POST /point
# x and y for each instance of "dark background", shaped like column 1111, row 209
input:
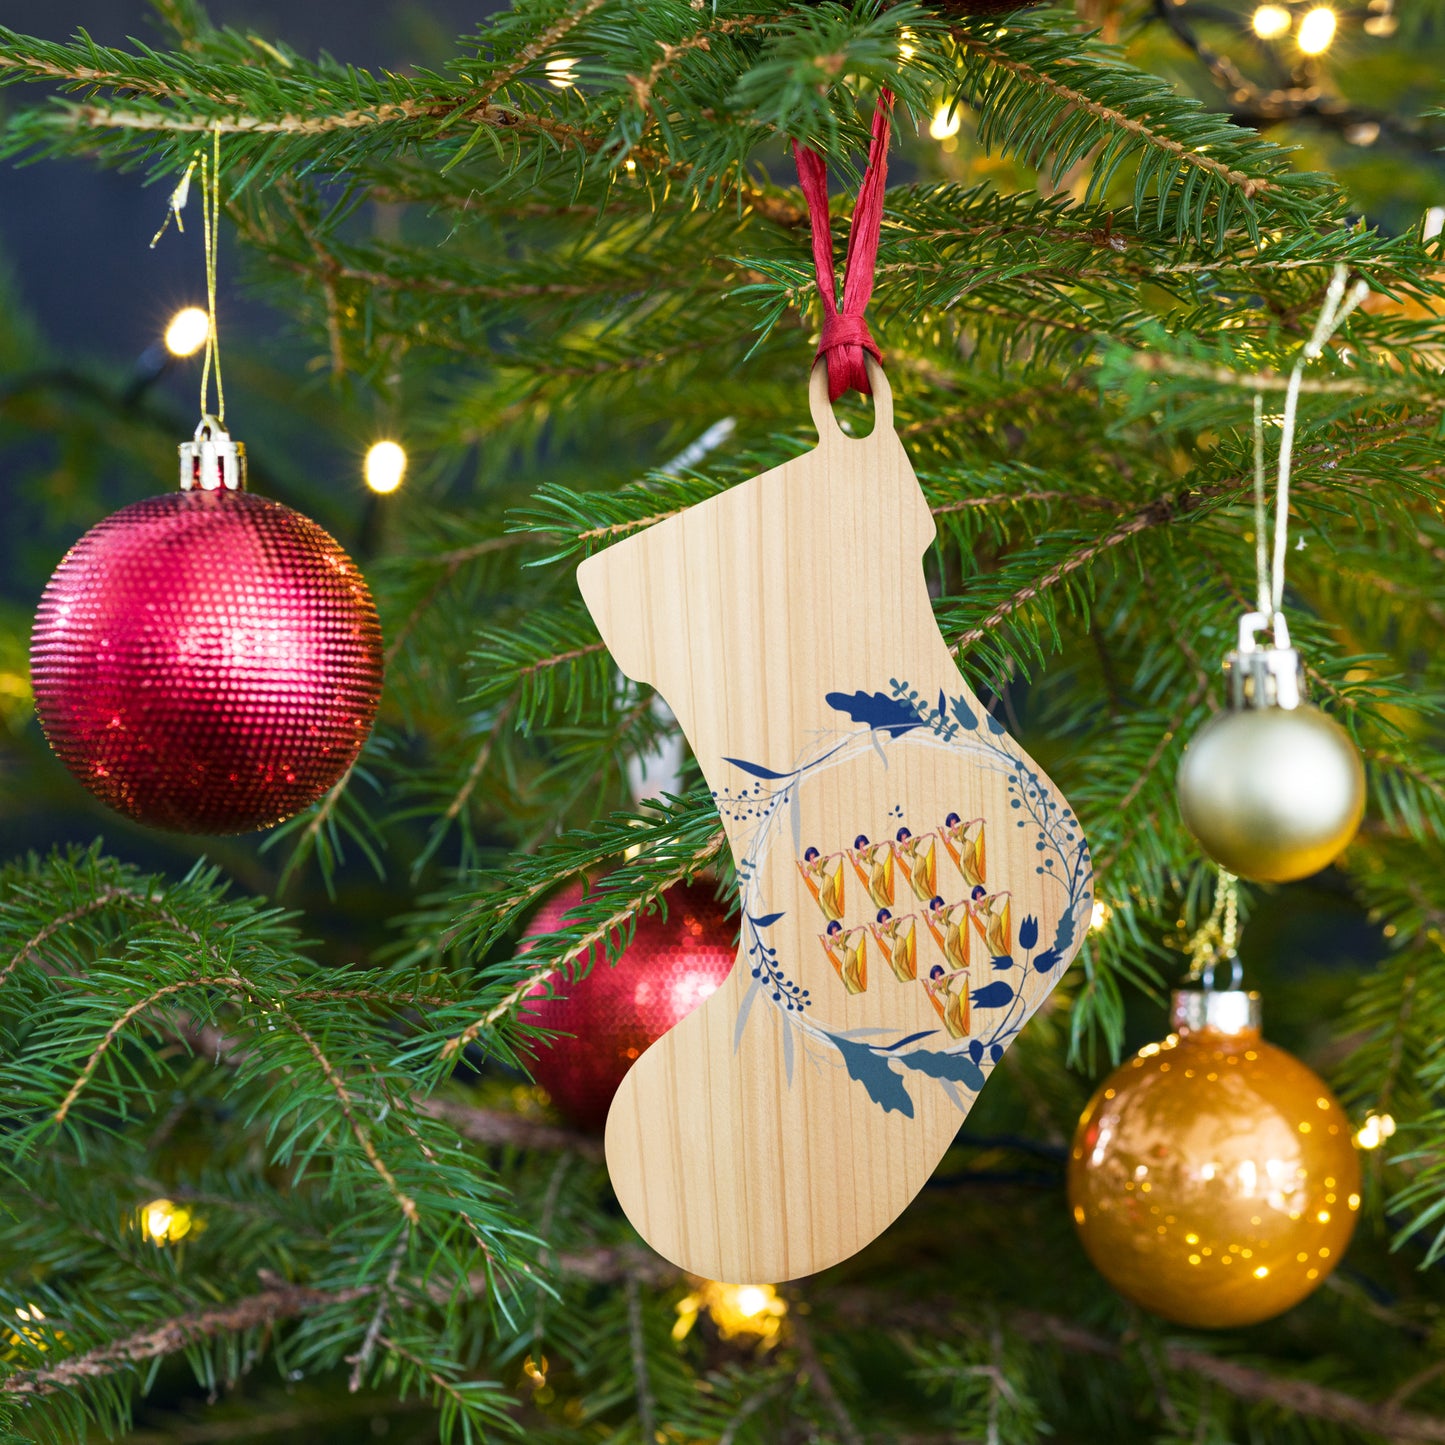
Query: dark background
column 76, row 237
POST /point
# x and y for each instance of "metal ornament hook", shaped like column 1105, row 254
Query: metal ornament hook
column 212, row 461
column 1263, row 677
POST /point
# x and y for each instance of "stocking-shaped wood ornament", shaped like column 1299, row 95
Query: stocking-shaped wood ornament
column 912, row 885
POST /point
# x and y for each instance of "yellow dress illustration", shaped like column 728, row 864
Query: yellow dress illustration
column 918, row 857
column 897, row 940
column 993, row 917
column 964, row 842
column 873, row 863
column 948, row 923
column 824, row 877
column 847, row 951
column 948, row 993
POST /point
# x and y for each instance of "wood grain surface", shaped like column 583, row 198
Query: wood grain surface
column 912, row 885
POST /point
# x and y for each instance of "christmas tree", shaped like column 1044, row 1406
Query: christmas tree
column 274, row 1165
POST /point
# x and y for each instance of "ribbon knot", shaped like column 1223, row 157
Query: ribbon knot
column 846, row 339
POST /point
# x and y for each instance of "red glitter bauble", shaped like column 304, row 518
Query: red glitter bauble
column 669, row 968
column 208, row 662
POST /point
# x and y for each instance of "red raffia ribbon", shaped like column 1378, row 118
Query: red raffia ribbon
column 845, row 336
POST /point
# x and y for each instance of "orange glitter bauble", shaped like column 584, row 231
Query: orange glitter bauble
column 1213, row 1178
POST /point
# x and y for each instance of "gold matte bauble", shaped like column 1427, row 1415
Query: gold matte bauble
column 1272, row 793
column 1214, row 1179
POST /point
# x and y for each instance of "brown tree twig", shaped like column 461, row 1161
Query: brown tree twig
column 506, row 1130
column 1251, row 186
column 101, row 900
column 619, row 918
column 819, row 1380
column 282, row 1301
column 363, row 1357
column 169, row 1337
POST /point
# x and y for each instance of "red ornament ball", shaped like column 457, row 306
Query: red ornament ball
column 208, row 662
column 669, row 968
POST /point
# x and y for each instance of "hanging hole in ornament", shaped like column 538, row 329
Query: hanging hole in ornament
column 826, row 420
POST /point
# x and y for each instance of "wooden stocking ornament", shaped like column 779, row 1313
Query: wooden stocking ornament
column 912, row 885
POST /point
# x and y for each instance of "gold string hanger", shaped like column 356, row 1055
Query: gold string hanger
column 1216, row 940
column 210, row 169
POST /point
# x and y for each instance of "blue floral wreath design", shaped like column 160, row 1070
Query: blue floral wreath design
column 902, row 716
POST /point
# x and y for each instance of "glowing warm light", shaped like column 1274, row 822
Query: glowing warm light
column 946, row 121
column 1374, row 1131
column 385, row 467
column 562, row 72
column 188, row 331
column 1100, row 916
column 1270, row 22
column 39, row 1335
column 165, row 1221
column 535, row 1371
column 906, row 48
column 746, row 1309
column 752, row 1300
column 1317, row 30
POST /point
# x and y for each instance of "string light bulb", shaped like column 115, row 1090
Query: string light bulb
column 1099, row 916
column 736, row 1309
column 562, row 72
column 187, row 331
column 166, row 1222
column 946, row 121
column 1269, row 22
column 1374, row 1131
column 385, row 467
column 1317, row 30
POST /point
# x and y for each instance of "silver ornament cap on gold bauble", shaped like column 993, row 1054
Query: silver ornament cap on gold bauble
column 1272, row 789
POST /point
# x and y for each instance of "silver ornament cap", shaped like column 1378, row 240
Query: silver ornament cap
column 1273, row 790
column 211, row 461
column 1222, row 1010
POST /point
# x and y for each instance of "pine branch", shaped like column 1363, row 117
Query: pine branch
column 277, row 1302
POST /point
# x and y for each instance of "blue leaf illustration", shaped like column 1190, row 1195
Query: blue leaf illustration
column 997, row 1051
column 909, row 1039
column 994, row 725
column 1048, row 960
column 756, row 769
column 942, row 704
column 976, row 1049
column 1003, row 961
column 957, row 1067
column 964, row 714
column 1028, row 932
column 993, row 995
column 766, row 921
column 872, row 1071
column 1064, row 933
column 893, row 715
